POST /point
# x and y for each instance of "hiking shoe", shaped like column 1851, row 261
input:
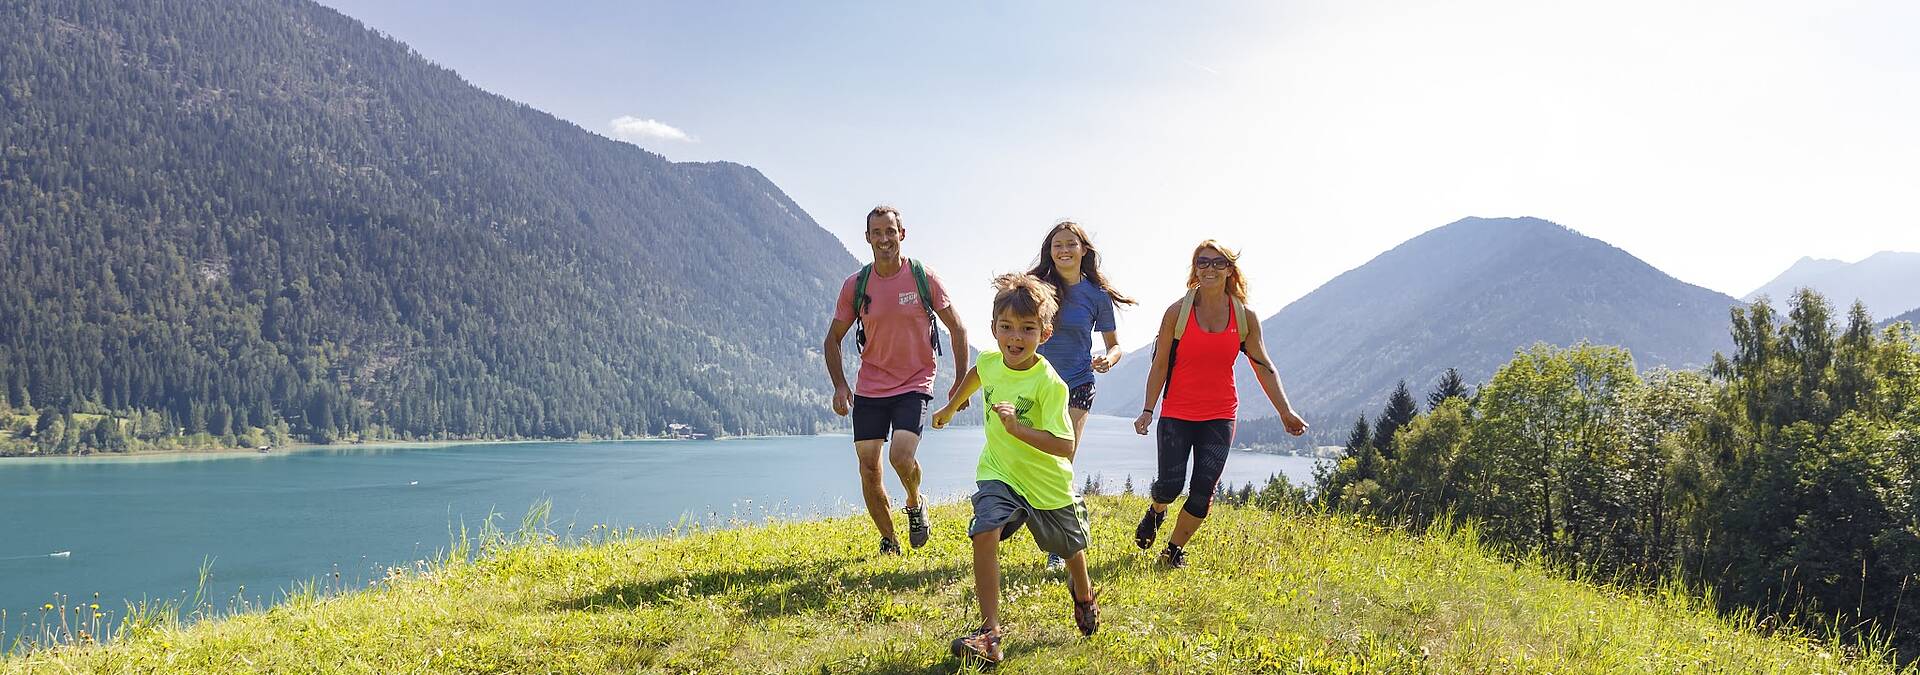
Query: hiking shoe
column 889, row 546
column 1148, row 529
column 917, row 526
column 1086, row 615
column 979, row 645
column 1055, row 563
column 1174, row 557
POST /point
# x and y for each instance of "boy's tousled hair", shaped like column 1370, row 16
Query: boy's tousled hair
column 1024, row 295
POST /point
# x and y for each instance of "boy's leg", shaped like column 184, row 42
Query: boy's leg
column 986, row 577
column 1077, row 578
column 1064, row 531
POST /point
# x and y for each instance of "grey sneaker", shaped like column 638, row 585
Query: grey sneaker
column 1055, row 563
column 917, row 528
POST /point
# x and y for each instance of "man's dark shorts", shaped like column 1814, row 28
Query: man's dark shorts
column 1061, row 531
column 875, row 418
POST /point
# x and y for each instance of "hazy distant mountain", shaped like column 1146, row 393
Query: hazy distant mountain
column 1465, row 295
column 1912, row 316
column 230, row 215
column 1888, row 282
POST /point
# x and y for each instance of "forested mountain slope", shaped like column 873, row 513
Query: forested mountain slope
column 233, row 215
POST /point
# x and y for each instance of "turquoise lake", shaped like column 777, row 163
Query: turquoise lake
column 141, row 527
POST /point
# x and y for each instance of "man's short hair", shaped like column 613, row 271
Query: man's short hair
column 885, row 210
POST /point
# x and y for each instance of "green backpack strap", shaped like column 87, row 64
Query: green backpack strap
column 860, row 304
column 926, row 302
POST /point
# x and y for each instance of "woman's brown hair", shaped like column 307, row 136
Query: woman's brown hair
column 1089, row 264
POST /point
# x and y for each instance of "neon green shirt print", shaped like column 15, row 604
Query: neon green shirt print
column 1040, row 398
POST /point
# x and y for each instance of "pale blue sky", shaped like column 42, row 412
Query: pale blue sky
column 1717, row 141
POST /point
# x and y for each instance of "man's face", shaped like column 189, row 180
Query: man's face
column 884, row 234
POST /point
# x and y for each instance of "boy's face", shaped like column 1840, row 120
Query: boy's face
column 1019, row 336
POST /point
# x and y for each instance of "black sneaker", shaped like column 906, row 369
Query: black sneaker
column 1148, row 529
column 979, row 645
column 1174, row 557
column 889, row 546
column 1086, row 615
column 917, row 526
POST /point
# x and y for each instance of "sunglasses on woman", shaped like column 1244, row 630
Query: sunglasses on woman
column 1204, row 262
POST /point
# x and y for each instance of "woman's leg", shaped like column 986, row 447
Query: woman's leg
column 1212, row 442
column 1176, row 442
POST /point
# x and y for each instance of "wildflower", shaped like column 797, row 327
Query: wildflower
column 94, row 606
column 47, row 607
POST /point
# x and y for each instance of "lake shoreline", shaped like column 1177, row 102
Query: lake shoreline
column 204, row 453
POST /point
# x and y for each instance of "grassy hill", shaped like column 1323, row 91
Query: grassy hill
column 1267, row 592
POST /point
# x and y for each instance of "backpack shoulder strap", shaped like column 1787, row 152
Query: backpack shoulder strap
column 1186, row 312
column 920, row 280
column 860, row 291
column 926, row 302
column 1244, row 315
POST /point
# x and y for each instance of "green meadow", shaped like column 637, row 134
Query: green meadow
column 1267, row 591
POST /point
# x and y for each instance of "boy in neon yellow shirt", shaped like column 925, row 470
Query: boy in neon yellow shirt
column 1025, row 477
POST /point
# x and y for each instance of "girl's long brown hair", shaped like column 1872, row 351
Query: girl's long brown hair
column 1236, row 284
column 1089, row 264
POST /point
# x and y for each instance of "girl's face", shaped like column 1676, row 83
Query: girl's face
column 1018, row 336
column 1212, row 268
column 1066, row 250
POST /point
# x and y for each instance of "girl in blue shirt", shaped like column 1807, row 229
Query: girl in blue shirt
column 1069, row 261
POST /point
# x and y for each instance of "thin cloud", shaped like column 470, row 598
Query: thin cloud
column 635, row 129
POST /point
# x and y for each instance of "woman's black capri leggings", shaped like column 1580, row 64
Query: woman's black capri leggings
column 1208, row 443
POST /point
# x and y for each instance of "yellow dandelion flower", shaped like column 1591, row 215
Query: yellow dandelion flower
column 47, row 607
column 94, row 606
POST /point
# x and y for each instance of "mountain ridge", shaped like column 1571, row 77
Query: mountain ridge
column 1433, row 302
column 1888, row 282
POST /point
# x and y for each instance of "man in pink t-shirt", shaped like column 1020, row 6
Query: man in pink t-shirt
column 896, row 371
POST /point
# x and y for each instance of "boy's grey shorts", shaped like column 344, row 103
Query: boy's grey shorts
column 1061, row 531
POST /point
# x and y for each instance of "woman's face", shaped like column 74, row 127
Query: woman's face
column 1066, row 250
column 1211, row 267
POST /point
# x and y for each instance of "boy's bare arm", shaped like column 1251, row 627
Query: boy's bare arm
column 957, row 399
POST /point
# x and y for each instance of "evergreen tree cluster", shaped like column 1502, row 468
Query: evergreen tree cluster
column 1786, row 476
column 227, row 218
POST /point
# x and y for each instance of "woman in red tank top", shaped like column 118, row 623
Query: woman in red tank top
column 1193, row 367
